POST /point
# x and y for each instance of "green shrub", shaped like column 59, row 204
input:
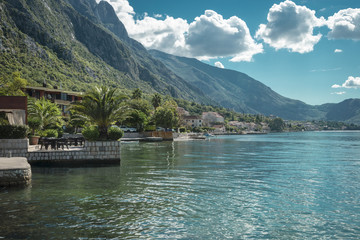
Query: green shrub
column 150, row 128
column 69, row 129
column 91, row 133
column 50, row 133
column 115, row 133
column 13, row 131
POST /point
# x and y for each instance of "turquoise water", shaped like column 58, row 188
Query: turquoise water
column 275, row 186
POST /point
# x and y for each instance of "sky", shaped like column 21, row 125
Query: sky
column 303, row 49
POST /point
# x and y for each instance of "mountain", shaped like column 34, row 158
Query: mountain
column 236, row 90
column 345, row 111
column 74, row 43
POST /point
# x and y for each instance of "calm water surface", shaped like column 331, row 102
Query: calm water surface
column 276, row 186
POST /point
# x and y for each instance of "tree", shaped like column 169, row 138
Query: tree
column 166, row 115
column 156, row 100
column 46, row 112
column 102, row 106
column 14, row 86
column 139, row 113
column 137, row 94
column 138, row 120
column 277, row 125
column 141, row 105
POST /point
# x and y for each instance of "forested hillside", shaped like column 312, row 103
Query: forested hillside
column 74, row 44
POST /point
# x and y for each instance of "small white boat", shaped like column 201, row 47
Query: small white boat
column 209, row 135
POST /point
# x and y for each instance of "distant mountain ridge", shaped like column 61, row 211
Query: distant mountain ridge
column 79, row 43
column 237, row 90
column 345, row 111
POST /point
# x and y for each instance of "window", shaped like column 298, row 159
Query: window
column 63, row 96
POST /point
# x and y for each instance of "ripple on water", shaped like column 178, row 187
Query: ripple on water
column 277, row 186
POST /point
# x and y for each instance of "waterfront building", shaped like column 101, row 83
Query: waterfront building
column 193, row 121
column 61, row 97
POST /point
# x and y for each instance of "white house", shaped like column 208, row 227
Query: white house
column 193, row 121
column 212, row 117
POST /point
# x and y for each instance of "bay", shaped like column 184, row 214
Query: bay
column 276, row 186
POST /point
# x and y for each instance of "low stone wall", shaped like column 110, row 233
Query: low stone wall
column 104, row 152
column 13, row 147
column 14, row 172
column 133, row 135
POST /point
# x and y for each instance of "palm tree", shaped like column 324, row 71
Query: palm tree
column 102, row 106
column 137, row 94
column 47, row 113
column 156, row 100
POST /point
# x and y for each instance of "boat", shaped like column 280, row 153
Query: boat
column 209, row 135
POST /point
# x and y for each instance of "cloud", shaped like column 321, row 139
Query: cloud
column 338, row 93
column 211, row 36
column 291, row 27
column 336, row 86
column 338, row 51
column 219, row 65
column 166, row 35
column 351, row 82
column 124, row 11
column 345, row 24
column 208, row 36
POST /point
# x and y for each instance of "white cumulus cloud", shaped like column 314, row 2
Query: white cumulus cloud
column 338, row 51
column 291, row 27
column 351, row 82
column 208, row 36
column 211, row 36
column 345, row 24
column 219, row 65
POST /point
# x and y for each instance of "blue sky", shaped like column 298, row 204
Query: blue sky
column 305, row 50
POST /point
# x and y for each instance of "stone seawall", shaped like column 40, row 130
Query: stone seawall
column 14, row 172
column 104, row 152
column 13, row 147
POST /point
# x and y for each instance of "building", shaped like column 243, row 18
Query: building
column 192, row 121
column 219, row 128
column 15, row 109
column 61, row 97
column 210, row 118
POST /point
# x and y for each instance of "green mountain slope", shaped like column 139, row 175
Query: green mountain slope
column 50, row 40
column 78, row 43
column 345, row 111
column 237, row 90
